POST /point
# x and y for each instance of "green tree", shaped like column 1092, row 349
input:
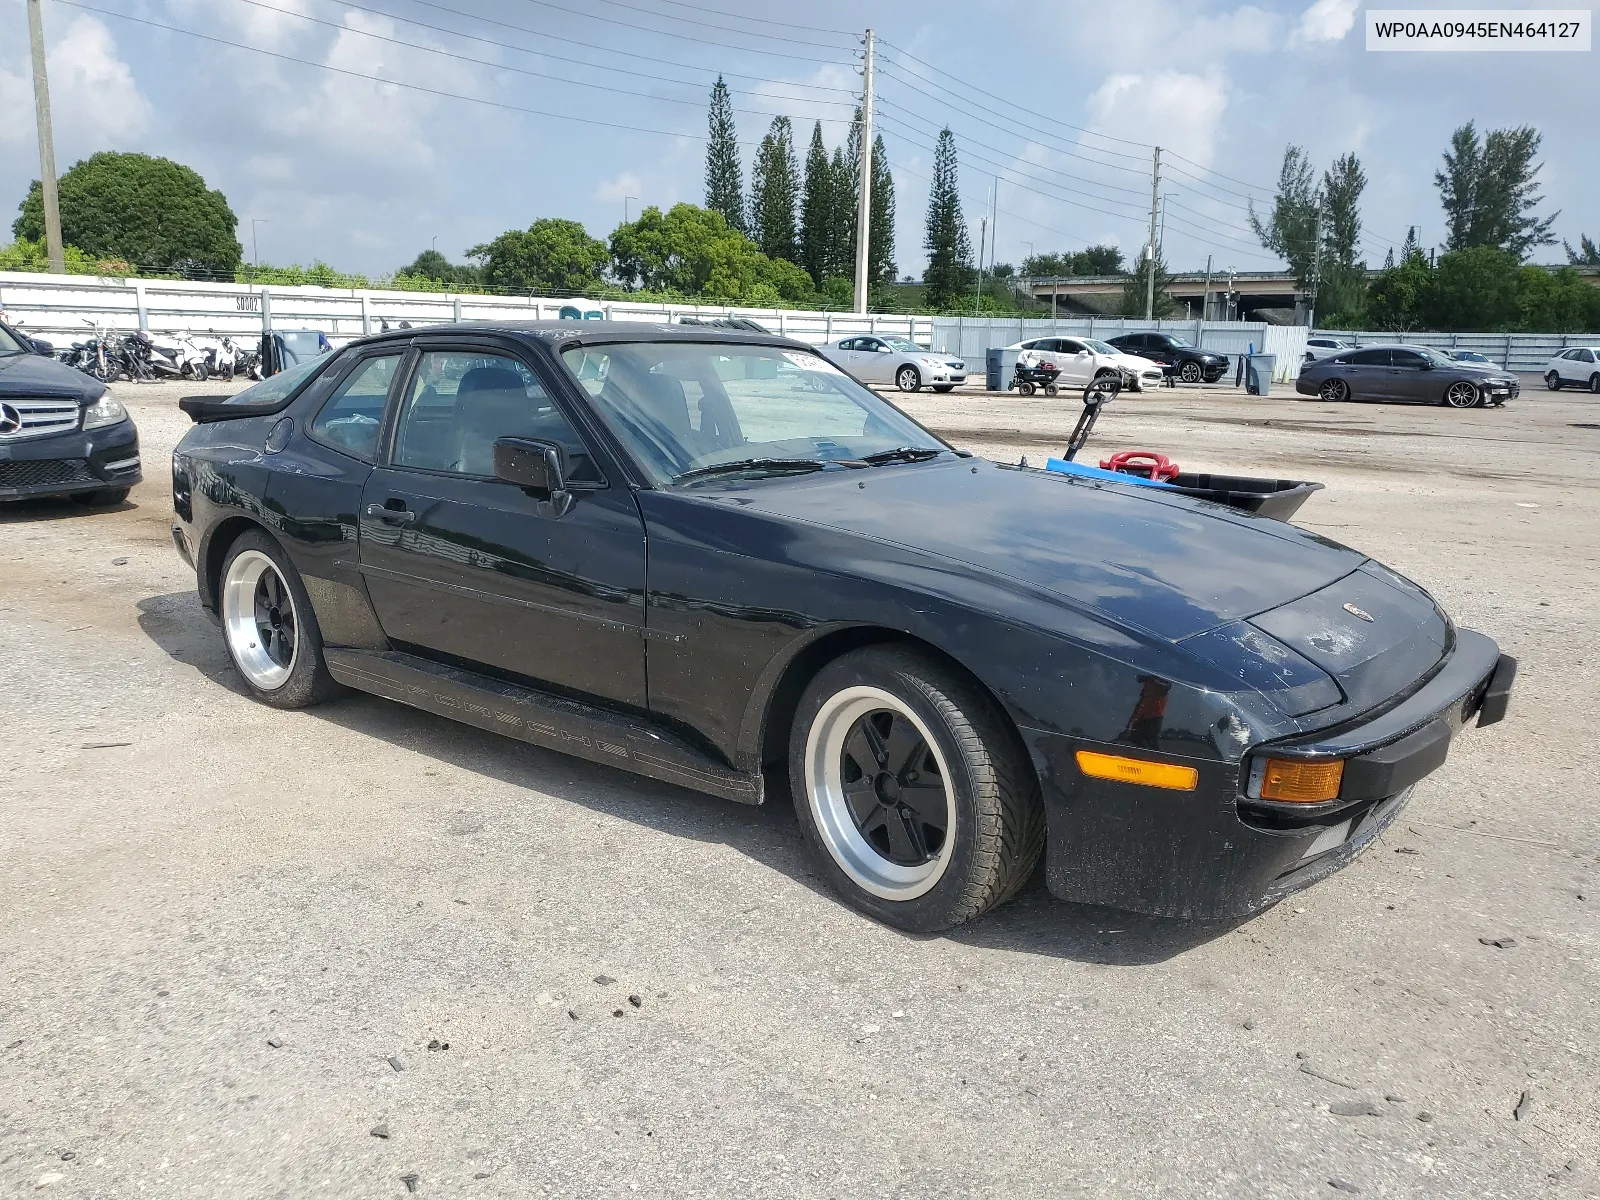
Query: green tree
column 1586, row 255
column 1290, row 231
column 1131, row 303
column 1475, row 288
column 1560, row 301
column 157, row 214
column 846, row 197
column 774, row 192
column 1342, row 282
column 1095, row 260
column 693, row 252
column 724, row 178
column 817, row 210
column 949, row 249
column 435, row 267
column 880, row 244
column 551, row 255
column 1489, row 190
column 1396, row 297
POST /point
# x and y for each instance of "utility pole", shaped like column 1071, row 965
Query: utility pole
column 47, row 145
column 983, row 233
column 1205, row 302
column 864, row 200
column 1150, row 248
column 1316, row 270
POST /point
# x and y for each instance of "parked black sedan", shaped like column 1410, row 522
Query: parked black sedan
column 1189, row 363
column 712, row 558
column 61, row 433
column 1406, row 374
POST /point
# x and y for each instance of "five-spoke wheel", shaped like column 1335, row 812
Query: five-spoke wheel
column 908, row 378
column 912, row 788
column 268, row 626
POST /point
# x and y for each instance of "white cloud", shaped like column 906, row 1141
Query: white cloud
column 623, row 186
column 1168, row 108
column 95, row 104
column 265, row 28
column 1328, row 20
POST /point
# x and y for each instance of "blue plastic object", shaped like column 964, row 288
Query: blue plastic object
column 1062, row 467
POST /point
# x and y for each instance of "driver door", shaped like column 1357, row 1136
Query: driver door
column 876, row 363
column 1075, row 361
column 463, row 566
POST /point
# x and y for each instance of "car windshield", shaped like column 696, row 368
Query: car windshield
column 902, row 346
column 276, row 387
column 9, row 344
column 687, row 408
column 1174, row 340
column 1100, row 347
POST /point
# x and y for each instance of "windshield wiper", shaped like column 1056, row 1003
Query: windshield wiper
column 751, row 464
column 901, row 454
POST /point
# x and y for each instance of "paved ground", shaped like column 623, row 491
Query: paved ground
column 229, row 935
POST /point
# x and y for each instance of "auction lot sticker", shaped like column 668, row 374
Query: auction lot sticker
column 1477, row 29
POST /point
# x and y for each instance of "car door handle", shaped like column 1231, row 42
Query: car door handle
column 394, row 516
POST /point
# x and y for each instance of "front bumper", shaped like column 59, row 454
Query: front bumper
column 1214, row 854
column 63, row 463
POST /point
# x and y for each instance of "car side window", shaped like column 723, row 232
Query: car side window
column 1406, row 358
column 1068, row 346
column 1586, row 356
column 1368, row 358
column 350, row 419
column 460, row 401
column 850, row 344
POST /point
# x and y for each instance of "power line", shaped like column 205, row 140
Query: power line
column 504, row 66
column 653, row 60
column 717, row 12
column 410, row 87
column 594, row 16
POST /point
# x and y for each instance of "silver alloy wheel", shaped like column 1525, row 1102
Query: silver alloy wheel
column 1553, row 381
column 1461, row 394
column 892, row 831
column 259, row 620
column 1190, row 372
column 908, row 379
column 1594, row 382
column 1334, row 390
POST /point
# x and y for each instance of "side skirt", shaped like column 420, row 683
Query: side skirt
column 553, row 722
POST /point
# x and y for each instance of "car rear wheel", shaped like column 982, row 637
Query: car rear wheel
column 1594, row 382
column 912, row 790
column 1552, row 380
column 1334, row 391
column 1462, row 394
column 269, row 628
column 104, row 498
column 908, row 379
column 1190, row 373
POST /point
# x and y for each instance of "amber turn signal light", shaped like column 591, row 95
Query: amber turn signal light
column 1301, row 782
column 1137, row 770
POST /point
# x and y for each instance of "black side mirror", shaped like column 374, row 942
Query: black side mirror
column 535, row 466
column 45, row 349
column 1426, row 364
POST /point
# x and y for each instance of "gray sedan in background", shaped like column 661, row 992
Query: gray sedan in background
column 1407, row 375
column 874, row 359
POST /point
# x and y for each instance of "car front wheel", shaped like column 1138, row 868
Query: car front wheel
column 1552, row 381
column 912, row 790
column 269, row 628
column 908, row 379
column 1462, row 394
column 1190, row 373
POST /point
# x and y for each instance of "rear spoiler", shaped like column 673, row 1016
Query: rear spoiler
column 202, row 409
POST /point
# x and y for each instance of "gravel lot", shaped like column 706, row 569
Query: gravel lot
column 229, row 936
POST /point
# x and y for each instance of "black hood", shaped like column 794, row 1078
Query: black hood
column 35, row 375
column 1161, row 563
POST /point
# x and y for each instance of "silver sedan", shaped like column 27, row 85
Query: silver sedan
column 874, row 359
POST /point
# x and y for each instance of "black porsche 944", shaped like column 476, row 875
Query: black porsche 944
column 713, row 558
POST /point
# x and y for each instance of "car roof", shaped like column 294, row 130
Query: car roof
column 561, row 335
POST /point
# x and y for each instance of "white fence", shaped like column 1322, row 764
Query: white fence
column 971, row 336
column 1514, row 351
column 64, row 308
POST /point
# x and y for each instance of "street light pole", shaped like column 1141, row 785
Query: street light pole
column 255, row 240
column 47, row 146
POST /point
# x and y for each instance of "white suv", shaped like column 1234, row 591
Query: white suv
column 1579, row 367
column 1323, row 347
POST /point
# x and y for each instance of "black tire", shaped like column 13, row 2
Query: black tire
column 1025, row 388
column 1462, row 394
column 104, row 498
column 1333, row 391
column 1050, row 389
column 944, row 387
column 908, row 379
column 1594, row 382
column 307, row 681
column 200, row 372
column 987, row 784
column 1190, row 372
column 1553, row 381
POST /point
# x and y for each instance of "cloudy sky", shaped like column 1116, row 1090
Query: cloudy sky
column 520, row 109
